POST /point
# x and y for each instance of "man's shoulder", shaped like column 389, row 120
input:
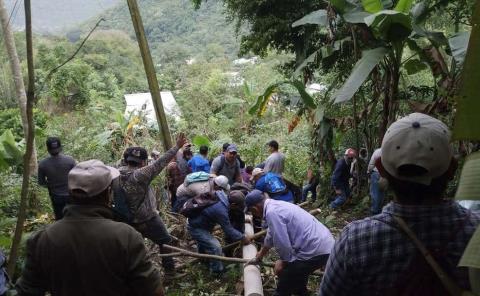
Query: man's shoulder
column 367, row 227
column 217, row 161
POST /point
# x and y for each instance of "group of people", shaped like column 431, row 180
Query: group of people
column 85, row 252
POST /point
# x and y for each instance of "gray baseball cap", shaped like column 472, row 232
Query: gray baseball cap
column 91, row 177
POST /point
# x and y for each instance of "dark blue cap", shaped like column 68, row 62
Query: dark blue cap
column 253, row 198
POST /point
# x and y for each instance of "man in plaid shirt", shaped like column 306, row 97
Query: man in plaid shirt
column 373, row 256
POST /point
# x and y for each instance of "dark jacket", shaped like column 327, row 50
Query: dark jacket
column 86, row 253
column 216, row 214
column 341, row 174
column 53, row 173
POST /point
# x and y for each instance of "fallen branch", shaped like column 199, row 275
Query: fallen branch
column 183, row 252
column 263, row 232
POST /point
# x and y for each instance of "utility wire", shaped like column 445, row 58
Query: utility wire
column 12, row 12
column 51, row 72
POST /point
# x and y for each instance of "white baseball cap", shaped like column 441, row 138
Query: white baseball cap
column 256, row 172
column 419, row 140
column 222, row 182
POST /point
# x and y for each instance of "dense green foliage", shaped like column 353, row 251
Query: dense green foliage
column 370, row 69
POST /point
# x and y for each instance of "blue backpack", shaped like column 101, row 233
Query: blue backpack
column 274, row 183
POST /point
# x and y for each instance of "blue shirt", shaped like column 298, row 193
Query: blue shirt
column 261, row 185
column 198, row 163
column 216, row 214
column 294, row 233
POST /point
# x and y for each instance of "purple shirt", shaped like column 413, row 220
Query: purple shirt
column 294, row 233
column 246, row 177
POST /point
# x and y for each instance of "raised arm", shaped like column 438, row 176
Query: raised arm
column 147, row 173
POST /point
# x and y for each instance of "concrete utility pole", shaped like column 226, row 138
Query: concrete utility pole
column 252, row 277
column 151, row 75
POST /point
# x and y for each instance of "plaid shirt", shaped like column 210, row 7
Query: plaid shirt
column 370, row 255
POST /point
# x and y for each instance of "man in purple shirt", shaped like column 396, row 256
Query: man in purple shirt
column 301, row 241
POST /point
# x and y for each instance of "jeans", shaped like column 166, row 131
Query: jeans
column 293, row 279
column 207, row 244
column 155, row 230
column 376, row 194
column 311, row 187
column 341, row 198
column 58, row 203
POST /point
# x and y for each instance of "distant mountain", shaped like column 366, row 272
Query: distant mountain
column 55, row 16
column 175, row 30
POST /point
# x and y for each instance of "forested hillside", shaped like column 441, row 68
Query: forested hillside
column 56, row 16
column 176, row 30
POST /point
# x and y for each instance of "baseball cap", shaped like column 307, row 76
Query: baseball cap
column 420, row 141
column 222, row 182
column 256, row 172
column 253, row 197
column 91, row 177
column 232, row 148
column 54, row 145
column 136, row 154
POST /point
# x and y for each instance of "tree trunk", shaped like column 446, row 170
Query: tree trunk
column 17, row 78
column 12, row 260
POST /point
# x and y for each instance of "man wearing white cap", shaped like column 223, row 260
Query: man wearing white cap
column 87, row 253
column 380, row 254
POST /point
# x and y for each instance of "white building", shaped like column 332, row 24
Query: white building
column 142, row 103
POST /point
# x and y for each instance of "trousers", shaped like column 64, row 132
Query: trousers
column 293, row 279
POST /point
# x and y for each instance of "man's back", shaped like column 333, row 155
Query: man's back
column 275, row 163
column 371, row 254
column 88, row 254
column 193, row 189
column 295, row 233
column 53, row 172
column 199, row 163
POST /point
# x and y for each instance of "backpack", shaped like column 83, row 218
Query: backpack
column 195, row 205
column 196, row 177
column 120, row 206
column 274, row 183
column 425, row 275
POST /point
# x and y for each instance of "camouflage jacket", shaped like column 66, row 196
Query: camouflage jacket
column 140, row 196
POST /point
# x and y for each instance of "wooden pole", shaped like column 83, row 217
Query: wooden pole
column 252, row 277
column 183, row 252
column 151, row 74
column 29, row 150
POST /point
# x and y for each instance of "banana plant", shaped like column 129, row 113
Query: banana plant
column 388, row 27
column 10, row 153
